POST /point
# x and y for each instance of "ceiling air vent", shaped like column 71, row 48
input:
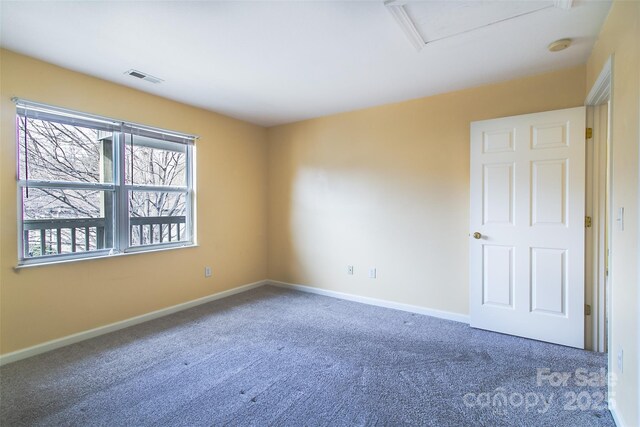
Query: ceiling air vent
column 143, row 76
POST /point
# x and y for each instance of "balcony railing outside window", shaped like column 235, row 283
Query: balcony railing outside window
column 60, row 236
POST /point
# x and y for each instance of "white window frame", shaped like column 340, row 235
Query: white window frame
column 120, row 216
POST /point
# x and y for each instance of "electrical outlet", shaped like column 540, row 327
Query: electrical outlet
column 350, row 269
column 372, row 273
column 621, row 360
column 207, row 272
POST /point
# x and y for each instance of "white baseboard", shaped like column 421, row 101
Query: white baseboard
column 617, row 418
column 91, row 333
column 441, row 314
column 85, row 335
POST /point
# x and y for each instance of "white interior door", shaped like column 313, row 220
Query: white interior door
column 527, row 226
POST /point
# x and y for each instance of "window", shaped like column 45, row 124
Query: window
column 91, row 186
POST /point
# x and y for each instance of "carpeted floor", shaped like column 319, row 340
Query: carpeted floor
column 272, row 356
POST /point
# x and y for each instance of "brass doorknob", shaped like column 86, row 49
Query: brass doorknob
column 477, row 235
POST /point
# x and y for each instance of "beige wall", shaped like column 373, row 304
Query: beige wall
column 388, row 187
column 620, row 36
column 42, row 303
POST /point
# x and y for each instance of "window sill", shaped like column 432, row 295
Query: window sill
column 133, row 251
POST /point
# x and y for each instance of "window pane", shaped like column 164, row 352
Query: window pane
column 59, row 221
column 58, row 152
column 157, row 217
column 155, row 162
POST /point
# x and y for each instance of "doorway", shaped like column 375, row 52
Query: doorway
column 598, row 222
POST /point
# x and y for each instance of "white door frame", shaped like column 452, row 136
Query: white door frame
column 596, row 234
column 598, row 293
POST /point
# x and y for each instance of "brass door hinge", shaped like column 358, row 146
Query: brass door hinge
column 587, row 221
column 589, row 133
column 587, row 310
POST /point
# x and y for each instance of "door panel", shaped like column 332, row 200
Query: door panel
column 548, row 192
column 527, row 202
column 549, row 135
column 498, row 194
column 498, row 276
column 498, row 141
column 548, row 280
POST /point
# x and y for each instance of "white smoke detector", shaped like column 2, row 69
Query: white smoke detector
column 559, row 45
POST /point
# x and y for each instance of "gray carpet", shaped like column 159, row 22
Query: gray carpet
column 278, row 357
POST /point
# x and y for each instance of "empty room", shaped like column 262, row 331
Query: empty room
column 320, row 213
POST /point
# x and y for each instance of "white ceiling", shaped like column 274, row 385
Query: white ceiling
column 274, row 62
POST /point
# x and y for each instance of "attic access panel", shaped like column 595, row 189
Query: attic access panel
column 435, row 20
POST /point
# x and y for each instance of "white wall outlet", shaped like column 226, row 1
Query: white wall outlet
column 372, row 273
column 350, row 269
column 620, row 360
column 208, row 272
